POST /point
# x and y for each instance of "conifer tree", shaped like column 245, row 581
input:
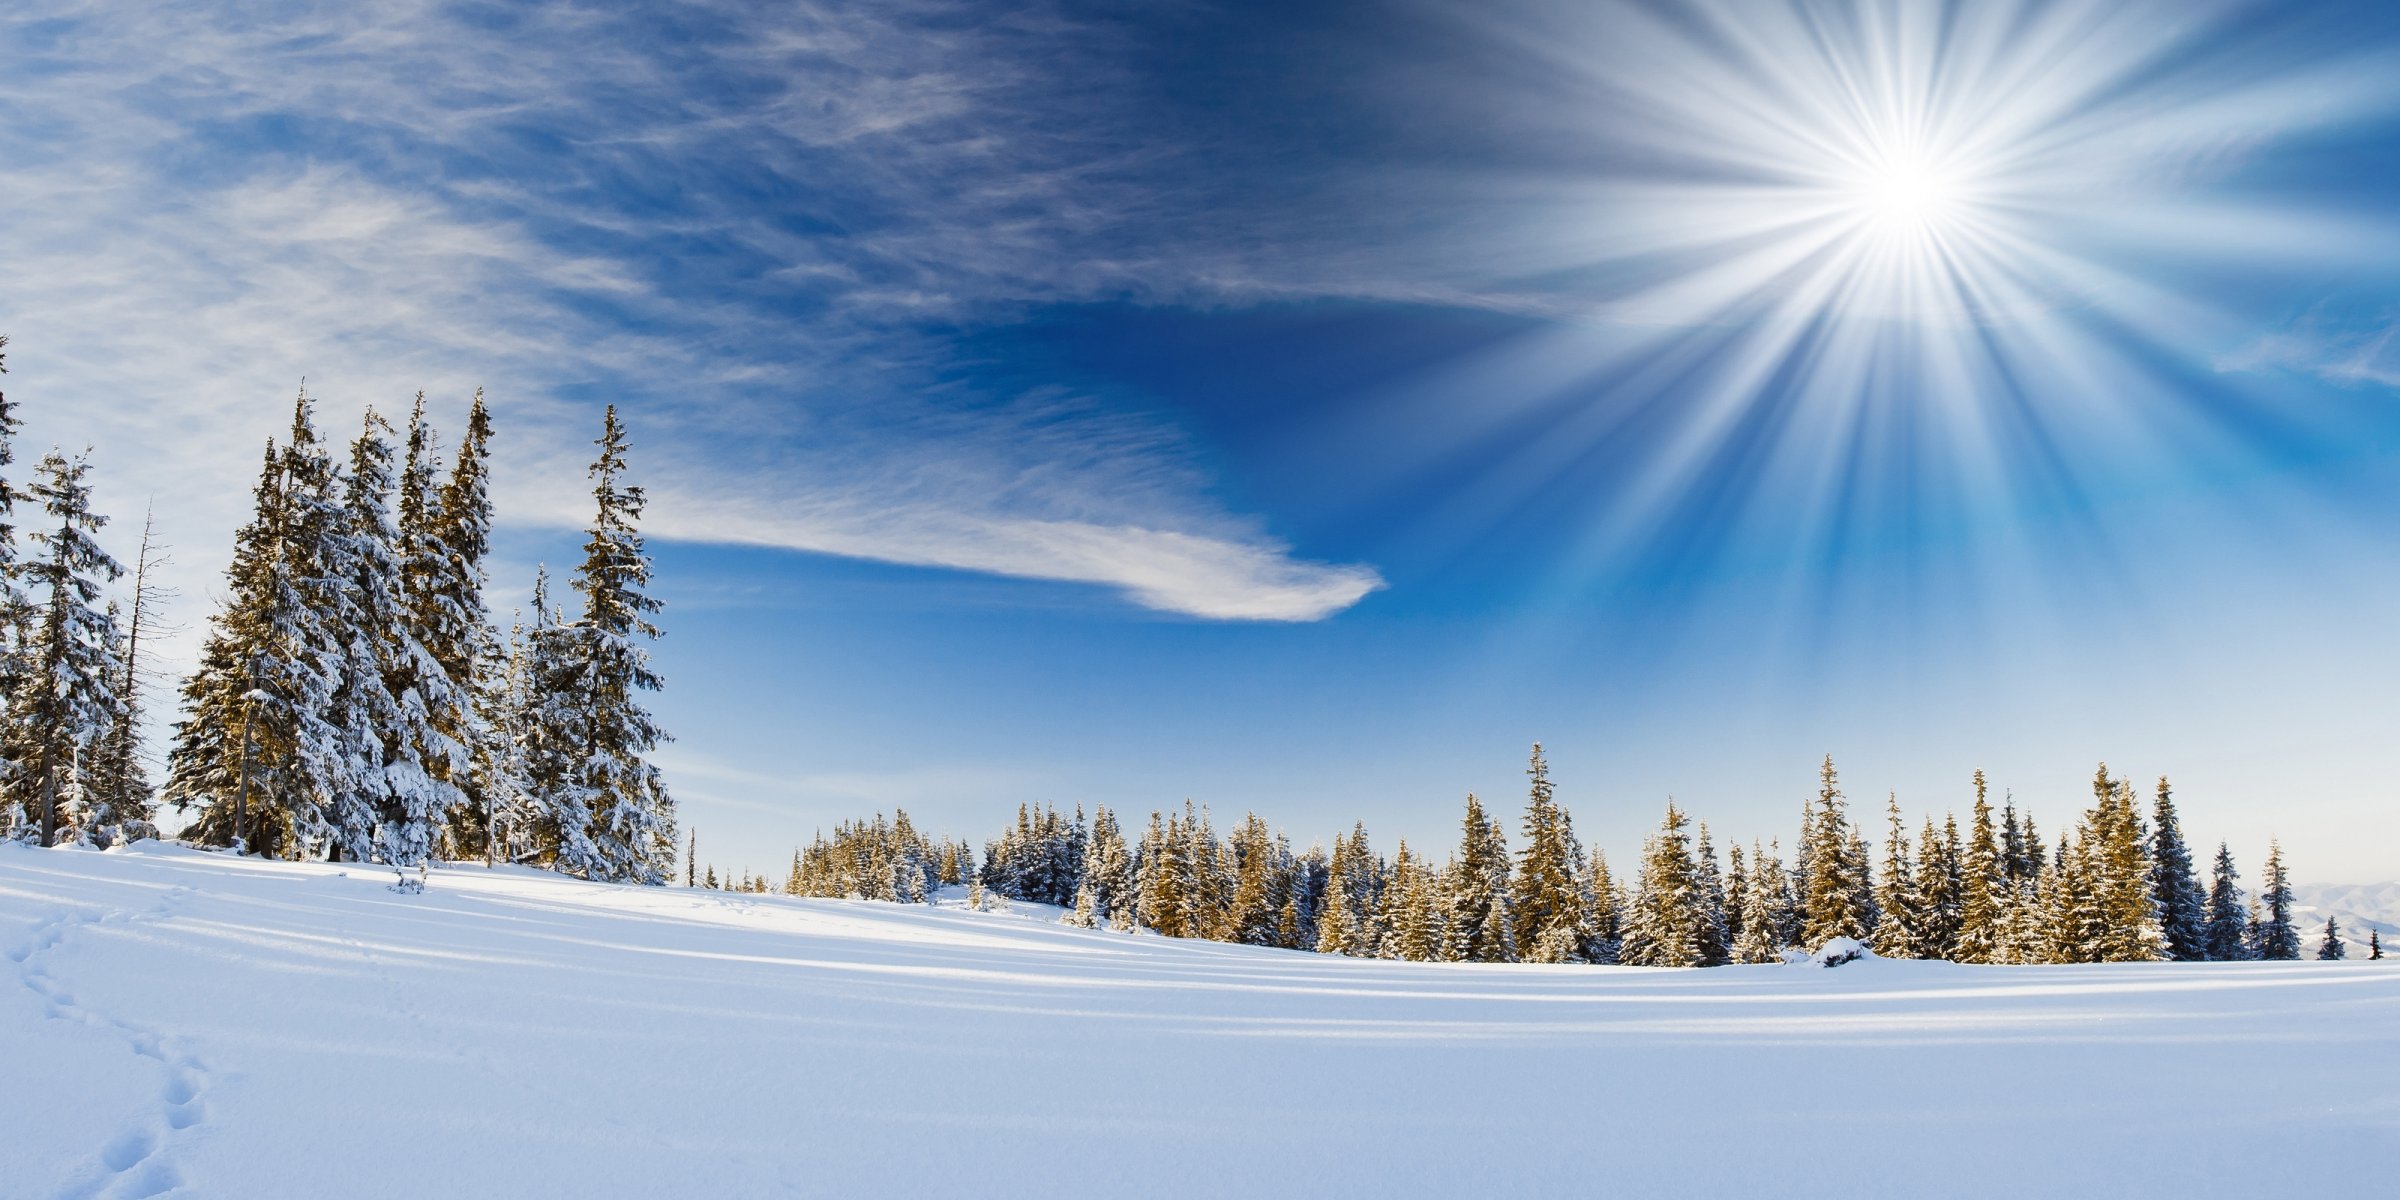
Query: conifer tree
column 1667, row 926
column 1766, row 910
column 445, row 534
column 1900, row 932
column 2331, row 949
column 2226, row 937
column 1835, row 903
column 1255, row 902
column 1546, row 906
column 67, row 700
column 1940, row 863
column 590, row 673
column 387, row 796
column 1479, row 925
column 1737, row 897
column 1415, row 919
column 1108, row 868
column 1716, row 937
column 2174, row 888
column 2277, row 940
column 1983, row 891
column 1605, row 921
column 2374, row 945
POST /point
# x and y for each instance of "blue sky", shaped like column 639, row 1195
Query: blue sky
column 1306, row 411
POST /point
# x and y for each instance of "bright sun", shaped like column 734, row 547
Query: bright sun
column 1904, row 193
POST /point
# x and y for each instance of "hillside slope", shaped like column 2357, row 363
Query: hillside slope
column 183, row 1023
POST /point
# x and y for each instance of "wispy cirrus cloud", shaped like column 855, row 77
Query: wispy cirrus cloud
column 755, row 228
column 2345, row 353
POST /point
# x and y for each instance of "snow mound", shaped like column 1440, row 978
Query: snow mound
column 1840, row 950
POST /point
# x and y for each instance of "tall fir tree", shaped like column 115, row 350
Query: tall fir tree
column 1667, row 926
column 1479, row 926
column 1835, row 902
column 1716, row 929
column 591, row 673
column 395, row 784
column 1983, row 891
column 445, row 534
column 1605, row 919
column 2174, row 886
column 67, row 700
column 1766, row 910
column 1900, row 932
column 2276, row 939
column 1547, row 906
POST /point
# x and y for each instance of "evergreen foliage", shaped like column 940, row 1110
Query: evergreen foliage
column 2275, row 939
column 2226, row 936
column 1835, row 898
column 2174, row 887
column 2331, row 949
column 591, row 736
column 1479, row 926
column 67, row 701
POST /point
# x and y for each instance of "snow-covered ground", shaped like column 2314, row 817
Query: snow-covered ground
column 181, row 1023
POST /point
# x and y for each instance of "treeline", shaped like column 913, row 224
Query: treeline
column 353, row 698
column 2119, row 885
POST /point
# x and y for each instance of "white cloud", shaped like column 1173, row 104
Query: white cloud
column 2350, row 356
column 176, row 270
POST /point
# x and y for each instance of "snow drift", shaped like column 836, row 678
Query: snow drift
column 179, row 1023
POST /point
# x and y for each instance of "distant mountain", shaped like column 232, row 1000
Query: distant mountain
column 2358, row 906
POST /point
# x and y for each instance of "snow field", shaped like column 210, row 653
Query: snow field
column 181, row 1023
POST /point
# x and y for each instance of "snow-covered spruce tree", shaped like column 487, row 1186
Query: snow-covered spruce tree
column 1940, row 862
column 2374, row 945
column 445, row 533
column 2331, row 949
column 255, row 751
column 1766, row 910
column 2174, row 887
column 1983, row 891
column 67, row 699
column 1737, row 896
column 397, row 784
column 1257, row 882
column 1900, row 934
column 1415, row 915
column 1210, row 896
column 1478, row 920
column 513, row 827
column 1708, row 888
column 1343, row 924
column 1667, row 925
column 1296, row 925
column 2277, row 940
column 1546, row 906
column 1605, row 913
column 1108, row 868
column 589, row 675
column 1162, row 877
column 1836, row 902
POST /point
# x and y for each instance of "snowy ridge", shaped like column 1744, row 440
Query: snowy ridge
column 2358, row 906
column 183, row 1023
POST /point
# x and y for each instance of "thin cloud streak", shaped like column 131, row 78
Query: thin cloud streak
column 219, row 199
